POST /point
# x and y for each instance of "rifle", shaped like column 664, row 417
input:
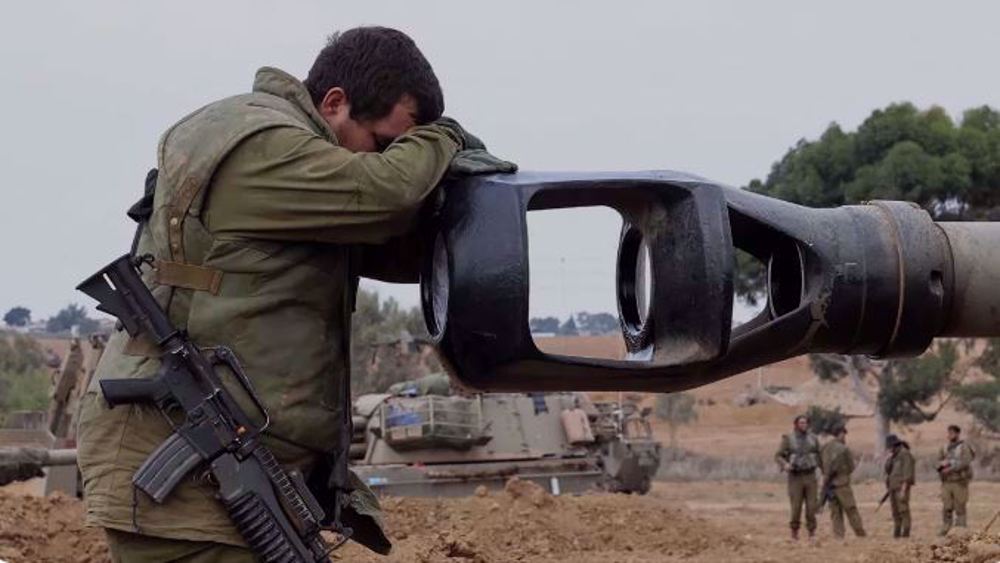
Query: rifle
column 826, row 493
column 273, row 509
column 884, row 498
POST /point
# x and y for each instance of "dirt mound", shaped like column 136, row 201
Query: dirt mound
column 47, row 529
column 525, row 523
column 522, row 523
column 962, row 548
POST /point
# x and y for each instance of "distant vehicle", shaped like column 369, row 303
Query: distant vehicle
column 447, row 445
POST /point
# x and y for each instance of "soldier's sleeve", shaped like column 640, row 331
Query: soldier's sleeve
column 396, row 261
column 781, row 456
column 825, row 461
column 849, row 465
column 287, row 183
column 909, row 469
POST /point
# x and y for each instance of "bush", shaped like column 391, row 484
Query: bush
column 24, row 380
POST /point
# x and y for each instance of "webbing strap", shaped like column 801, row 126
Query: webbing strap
column 187, row 276
column 177, row 211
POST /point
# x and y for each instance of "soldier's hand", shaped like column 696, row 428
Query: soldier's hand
column 473, row 159
column 472, row 162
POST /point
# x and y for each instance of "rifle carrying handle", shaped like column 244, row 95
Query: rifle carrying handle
column 127, row 391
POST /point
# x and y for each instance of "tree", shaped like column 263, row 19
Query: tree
column 17, row 316
column 380, row 327
column 568, row 328
column 825, row 421
column 981, row 398
column 677, row 409
column 597, row 323
column 898, row 152
column 544, row 324
column 67, row 318
column 24, row 381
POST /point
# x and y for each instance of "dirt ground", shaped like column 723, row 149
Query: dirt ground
column 701, row 522
column 697, row 520
column 726, row 430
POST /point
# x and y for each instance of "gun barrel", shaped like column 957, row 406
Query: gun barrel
column 42, row 457
column 22, row 463
column 975, row 299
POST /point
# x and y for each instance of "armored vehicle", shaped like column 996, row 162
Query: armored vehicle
column 416, row 443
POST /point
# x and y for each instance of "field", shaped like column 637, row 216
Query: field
column 719, row 499
column 705, row 522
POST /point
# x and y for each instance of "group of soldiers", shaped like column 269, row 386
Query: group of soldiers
column 800, row 455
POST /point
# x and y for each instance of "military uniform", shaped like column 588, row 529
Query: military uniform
column 260, row 227
column 837, row 465
column 800, row 450
column 900, row 471
column 955, row 483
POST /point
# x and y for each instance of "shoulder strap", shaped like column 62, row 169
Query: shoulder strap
column 142, row 210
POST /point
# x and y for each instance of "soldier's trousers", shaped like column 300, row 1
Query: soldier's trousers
column 843, row 503
column 127, row 547
column 802, row 490
column 954, row 497
column 900, row 503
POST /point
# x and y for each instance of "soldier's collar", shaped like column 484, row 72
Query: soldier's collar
column 277, row 82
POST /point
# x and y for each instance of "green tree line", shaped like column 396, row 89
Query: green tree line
column 24, row 378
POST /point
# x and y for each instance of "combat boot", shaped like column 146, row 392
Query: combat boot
column 960, row 521
column 945, row 523
column 795, row 534
column 895, row 531
column 904, row 532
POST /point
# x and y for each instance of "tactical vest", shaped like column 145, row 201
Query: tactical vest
column 953, row 454
column 804, row 452
column 282, row 307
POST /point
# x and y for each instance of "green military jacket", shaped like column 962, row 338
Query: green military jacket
column 260, row 225
column 900, row 468
column 800, row 450
column 837, row 463
column 958, row 458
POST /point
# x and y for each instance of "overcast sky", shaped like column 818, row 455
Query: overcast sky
column 721, row 89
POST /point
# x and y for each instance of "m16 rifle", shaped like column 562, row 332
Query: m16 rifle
column 825, row 493
column 885, row 497
column 273, row 509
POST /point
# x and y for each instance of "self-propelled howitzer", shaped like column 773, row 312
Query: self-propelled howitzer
column 881, row 279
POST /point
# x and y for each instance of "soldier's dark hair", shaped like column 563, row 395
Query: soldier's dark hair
column 800, row 417
column 376, row 66
column 955, row 428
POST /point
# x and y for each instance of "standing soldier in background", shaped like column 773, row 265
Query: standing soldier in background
column 899, row 478
column 955, row 468
column 798, row 455
column 837, row 465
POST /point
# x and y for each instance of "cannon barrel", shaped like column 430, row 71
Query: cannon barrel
column 22, row 463
column 881, row 279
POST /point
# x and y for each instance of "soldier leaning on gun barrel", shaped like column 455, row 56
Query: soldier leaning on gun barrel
column 900, row 475
column 838, row 464
column 955, row 469
column 798, row 456
column 267, row 208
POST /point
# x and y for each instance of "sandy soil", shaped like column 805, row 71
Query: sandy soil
column 704, row 522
